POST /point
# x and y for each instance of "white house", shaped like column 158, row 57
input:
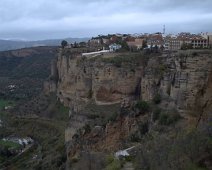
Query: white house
column 114, row 47
column 123, row 153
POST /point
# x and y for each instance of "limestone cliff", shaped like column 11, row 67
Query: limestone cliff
column 96, row 86
column 181, row 79
column 82, row 79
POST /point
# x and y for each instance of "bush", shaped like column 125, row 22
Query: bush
column 113, row 117
column 167, row 119
column 90, row 94
column 64, row 43
column 93, row 116
column 135, row 137
column 115, row 165
column 87, row 128
column 129, row 158
column 112, row 163
column 194, row 54
column 163, row 119
column 109, row 159
column 143, row 106
column 157, row 99
column 74, row 159
column 156, row 114
column 143, row 128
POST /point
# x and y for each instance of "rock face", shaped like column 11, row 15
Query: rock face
column 180, row 78
column 183, row 81
column 81, row 80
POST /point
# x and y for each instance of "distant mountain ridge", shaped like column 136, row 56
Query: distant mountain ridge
column 18, row 44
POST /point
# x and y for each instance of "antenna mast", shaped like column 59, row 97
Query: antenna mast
column 164, row 29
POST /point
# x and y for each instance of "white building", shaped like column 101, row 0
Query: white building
column 114, row 47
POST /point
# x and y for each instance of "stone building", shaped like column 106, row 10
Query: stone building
column 196, row 40
column 208, row 36
column 172, row 43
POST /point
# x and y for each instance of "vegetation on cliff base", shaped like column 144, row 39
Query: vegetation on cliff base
column 142, row 106
column 157, row 98
column 167, row 119
column 113, row 163
column 47, row 131
column 9, row 144
column 186, row 151
column 6, row 103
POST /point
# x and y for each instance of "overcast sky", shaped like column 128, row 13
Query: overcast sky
column 48, row 19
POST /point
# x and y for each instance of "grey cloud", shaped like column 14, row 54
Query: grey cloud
column 52, row 18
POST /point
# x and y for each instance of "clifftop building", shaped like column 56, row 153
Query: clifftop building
column 172, row 42
column 208, row 36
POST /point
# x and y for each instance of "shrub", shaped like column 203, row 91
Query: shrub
column 87, row 128
column 167, row 119
column 115, row 165
column 143, row 106
column 194, row 54
column 157, row 99
column 112, row 163
column 93, row 116
column 135, row 137
column 156, row 114
column 160, row 69
column 129, row 158
column 64, row 43
column 90, row 94
column 113, row 117
column 109, row 159
column 163, row 119
column 168, row 90
column 74, row 159
column 143, row 128
column 175, row 117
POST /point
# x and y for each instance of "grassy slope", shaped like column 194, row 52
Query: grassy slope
column 49, row 137
column 9, row 144
column 4, row 103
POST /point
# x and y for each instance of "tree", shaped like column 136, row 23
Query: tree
column 142, row 106
column 161, row 47
column 157, row 99
column 124, row 45
column 156, row 48
column 64, row 43
column 75, row 44
column 144, row 45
